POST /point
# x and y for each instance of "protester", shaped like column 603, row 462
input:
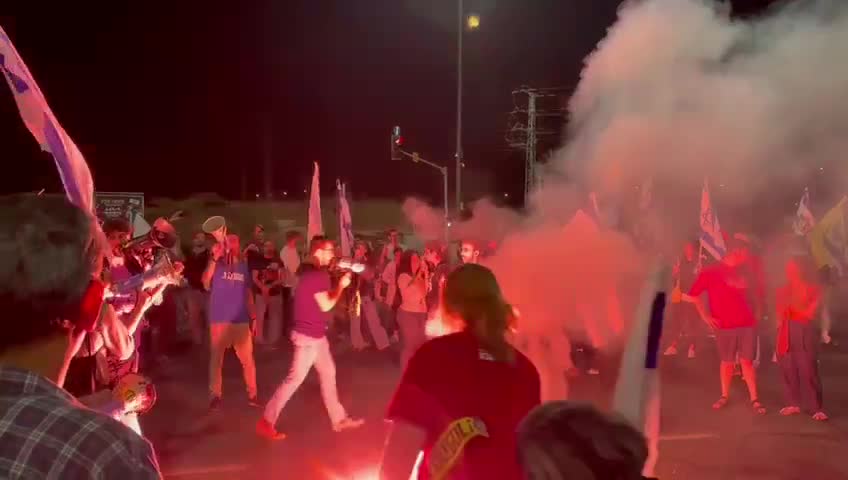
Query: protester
column 568, row 441
column 268, row 276
column 196, row 297
column 462, row 395
column 684, row 317
column 254, row 248
column 412, row 282
column 290, row 256
column 314, row 299
column 731, row 315
column 469, row 251
column 51, row 257
column 434, row 255
column 388, row 300
column 363, row 284
column 798, row 304
column 232, row 317
column 390, row 248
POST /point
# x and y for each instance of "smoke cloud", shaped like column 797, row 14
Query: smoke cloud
column 677, row 92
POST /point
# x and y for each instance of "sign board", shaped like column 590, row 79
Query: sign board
column 109, row 205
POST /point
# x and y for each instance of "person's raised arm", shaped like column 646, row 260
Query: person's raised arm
column 328, row 299
column 209, row 273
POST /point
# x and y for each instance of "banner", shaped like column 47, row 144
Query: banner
column 346, row 239
column 111, row 205
column 40, row 121
column 314, row 226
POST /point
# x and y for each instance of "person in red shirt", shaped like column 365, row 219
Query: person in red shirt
column 798, row 303
column 463, row 395
column 731, row 315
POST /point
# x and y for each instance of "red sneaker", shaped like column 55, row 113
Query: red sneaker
column 266, row 430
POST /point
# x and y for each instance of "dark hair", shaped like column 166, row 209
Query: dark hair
column 318, row 242
column 405, row 265
column 566, row 440
column 116, row 225
column 49, row 253
column 472, row 293
column 398, row 251
column 293, row 235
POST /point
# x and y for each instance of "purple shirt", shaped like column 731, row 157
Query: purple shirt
column 228, row 295
column 309, row 320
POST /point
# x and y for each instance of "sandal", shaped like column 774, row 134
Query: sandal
column 790, row 410
column 720, row 403
column 820, row 416
column 758, row 407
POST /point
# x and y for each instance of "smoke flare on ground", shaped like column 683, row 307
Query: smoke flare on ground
column 677, row 92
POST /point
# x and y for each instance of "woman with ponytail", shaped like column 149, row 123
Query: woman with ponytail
column 463, row 395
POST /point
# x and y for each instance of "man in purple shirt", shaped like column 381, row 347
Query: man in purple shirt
column 314, row 299
column 232, row 317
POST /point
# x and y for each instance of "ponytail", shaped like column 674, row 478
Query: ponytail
column 489, row 328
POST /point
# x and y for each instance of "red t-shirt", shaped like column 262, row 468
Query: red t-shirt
column 728, row 290
column 450, row 378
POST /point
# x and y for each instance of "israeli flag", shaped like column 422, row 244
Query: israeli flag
column 345, row 222
column 39, row 119
column 314, row 223
column 804, row 220
column 711, row 238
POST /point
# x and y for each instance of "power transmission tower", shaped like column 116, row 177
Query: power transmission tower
column 537, row 117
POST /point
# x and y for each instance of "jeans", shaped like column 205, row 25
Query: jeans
column 221, row 337
column 308, row 352
column 268, row 329
column 372, row 318
column 412, row 327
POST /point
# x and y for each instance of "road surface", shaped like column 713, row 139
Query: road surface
column 697, row 442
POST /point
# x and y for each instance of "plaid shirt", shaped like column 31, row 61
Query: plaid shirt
column 45, row 433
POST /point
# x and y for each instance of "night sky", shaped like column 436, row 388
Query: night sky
column 175, row 97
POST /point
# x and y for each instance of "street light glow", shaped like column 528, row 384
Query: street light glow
column 472, row 21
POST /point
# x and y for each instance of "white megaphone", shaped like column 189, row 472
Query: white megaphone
column 348, row 264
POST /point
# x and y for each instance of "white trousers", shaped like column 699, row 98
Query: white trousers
column 308, row 352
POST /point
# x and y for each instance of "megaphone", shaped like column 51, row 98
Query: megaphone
column 217, row 227
column 163, row 272
column 352, row 265
column 162, row 235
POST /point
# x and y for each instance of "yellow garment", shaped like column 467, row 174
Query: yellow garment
column 830, row 231
column 451, row 443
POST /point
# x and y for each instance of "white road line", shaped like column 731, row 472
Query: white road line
column 687, row 436
column 195, row 471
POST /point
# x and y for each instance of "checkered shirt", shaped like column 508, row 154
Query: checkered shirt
column 46, row 434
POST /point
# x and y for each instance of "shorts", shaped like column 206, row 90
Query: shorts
column 740, row 341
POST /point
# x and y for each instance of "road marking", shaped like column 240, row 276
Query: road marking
column 195, row 471
column 687, row 436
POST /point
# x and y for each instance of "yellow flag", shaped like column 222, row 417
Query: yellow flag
column 828, row 238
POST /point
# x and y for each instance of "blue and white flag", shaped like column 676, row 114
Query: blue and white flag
column 804, row 220
column 711, row 237
column 39, row 119
column 345, row 222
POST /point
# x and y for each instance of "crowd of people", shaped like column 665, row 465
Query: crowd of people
column 461, row 398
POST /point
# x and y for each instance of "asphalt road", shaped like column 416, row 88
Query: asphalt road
column 697, row 442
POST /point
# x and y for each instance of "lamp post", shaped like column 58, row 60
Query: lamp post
column 472, row 22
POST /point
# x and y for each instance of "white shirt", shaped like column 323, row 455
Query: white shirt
column 291, row 261
column 388, row 276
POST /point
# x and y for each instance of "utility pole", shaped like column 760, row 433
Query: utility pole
column 460, row 29
column 267, row 153
column 525, row 131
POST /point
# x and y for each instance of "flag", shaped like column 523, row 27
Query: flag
column 711, row 237
column 804, row 220
column 637, row 390
column 828, row 238
column 314, row 226
column 39, row 119
column 345, row 222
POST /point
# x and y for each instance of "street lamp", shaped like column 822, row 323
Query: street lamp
column 471, row 22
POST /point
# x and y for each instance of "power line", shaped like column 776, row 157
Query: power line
column 537, row 115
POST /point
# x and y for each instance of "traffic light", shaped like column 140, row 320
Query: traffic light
column 397, row 143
